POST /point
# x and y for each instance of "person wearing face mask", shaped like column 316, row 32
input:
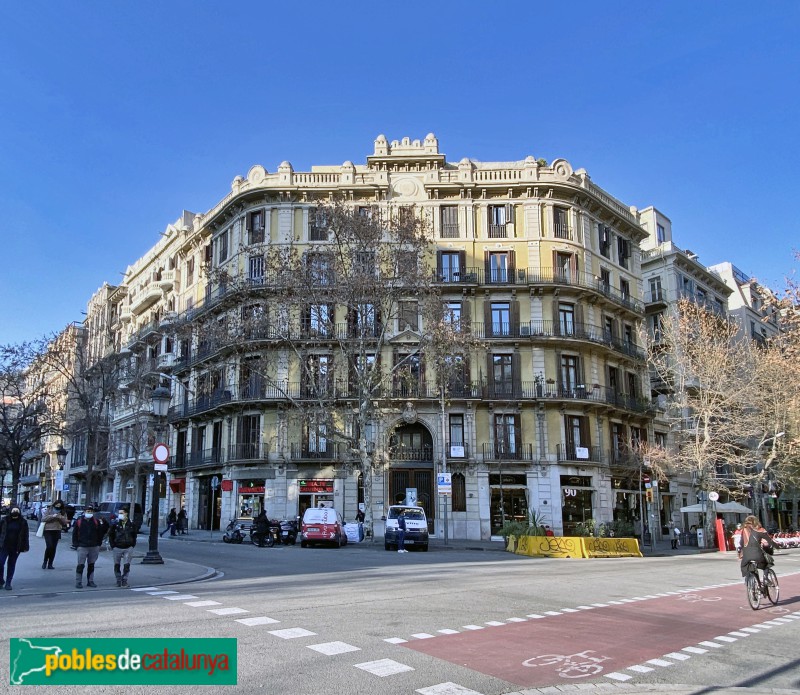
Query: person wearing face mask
column 13, row 541
column 122, row 539
column 54, row 521
column 87, row 535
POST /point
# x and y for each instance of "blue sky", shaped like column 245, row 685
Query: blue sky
column 116, row 116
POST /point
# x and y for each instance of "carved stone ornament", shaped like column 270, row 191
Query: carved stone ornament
column 409, row 414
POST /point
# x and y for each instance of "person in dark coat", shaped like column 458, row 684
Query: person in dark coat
column 172, row 523
column 261, row 524
column 14, row 539
column 87, row 535
column 122, row 539
column 183, row 521
column 755, row 541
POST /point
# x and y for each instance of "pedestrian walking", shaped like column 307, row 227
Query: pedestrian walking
column 87, row 535
column 172, row 522
column 183, row 522
column 14, row 539
column 401, row 532
column 55, row 521
column 122, row 540
column 737, row 540
column 676, row 537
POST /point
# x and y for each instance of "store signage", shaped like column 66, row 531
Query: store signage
column 254, row 490
column 581, row 452
column 316, row 485
column 570, row 492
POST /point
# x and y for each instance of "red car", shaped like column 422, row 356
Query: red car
column 322, row 525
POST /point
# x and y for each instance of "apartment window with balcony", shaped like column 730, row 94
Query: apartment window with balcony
column 456, row 431
column 407, row 263
column 604, row 239
column 569, row 374
column 318, row 376
column 501, row 319
column 408, row 375
column 661, row 234
column 625, row 289
column 561, row 226
column 367, row 212
column 318, row 321
column 364, row 263
column 627, row 333
column 452, row 315
column 451, row 266
column 408, row 315
column 320, row 269
column 687, row 286
column 566, row 319
column 405, row 214
column 317, row 224
column 222, row 246
column 605, row 280
column 256, row 270
column 364, row 320
column 457, row 372
column 499, row 216
column 251, row 381
column 618, row 443
column 656, row 294
column 609, row 329
column 613, row 380
column 660, row 440
column 564, row 266
column 654, row 326
column 190, row 271
column 576, row 428
column 317, row 442
column 506, row 435
column 499, row 266
column 633, row 385
column 503, row 375
column 623, row 251
column 449, row 222
column 255, row 227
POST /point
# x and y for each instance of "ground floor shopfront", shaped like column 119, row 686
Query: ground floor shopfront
column 561, row 496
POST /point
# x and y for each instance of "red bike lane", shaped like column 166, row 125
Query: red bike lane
column 605, row 639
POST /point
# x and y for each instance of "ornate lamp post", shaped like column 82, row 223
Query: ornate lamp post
column 160, row 399
column 61, row 457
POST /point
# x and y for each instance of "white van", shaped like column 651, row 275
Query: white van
column 416, row 527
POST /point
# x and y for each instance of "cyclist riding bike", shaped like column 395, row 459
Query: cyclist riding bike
column 755, row 542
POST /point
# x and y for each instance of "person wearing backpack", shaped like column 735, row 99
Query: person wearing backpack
column 87, row 535
column 122, row 539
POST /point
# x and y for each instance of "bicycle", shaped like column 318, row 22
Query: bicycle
column 756, row 588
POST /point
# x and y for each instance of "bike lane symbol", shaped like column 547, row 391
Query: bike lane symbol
column 579, row 665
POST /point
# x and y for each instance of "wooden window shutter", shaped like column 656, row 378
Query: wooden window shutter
column 462, row 263
column 516, row 374
column 509, row 213
column 573, row 263
column 556, row 321
column 439, row 265
column 559, row 379
column 487, row 266
column 556, row 269
column 579, row 319
column 466, row 315
column 490, row 373
column 581, row 376
column 512, row 266
column 514, row 317
column 585, row 439
column 487, row 319
column 518, row 435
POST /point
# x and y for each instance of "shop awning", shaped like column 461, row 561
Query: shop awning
column 177, row 484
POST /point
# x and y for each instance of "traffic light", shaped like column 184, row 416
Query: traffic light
column 648, row 495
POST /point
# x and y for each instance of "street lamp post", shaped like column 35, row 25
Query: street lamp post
column 61, row 457
column 160, row 399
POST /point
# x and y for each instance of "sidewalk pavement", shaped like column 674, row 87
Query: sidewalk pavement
column 31, row 579
column 660, row 549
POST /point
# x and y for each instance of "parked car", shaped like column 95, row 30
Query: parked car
column 322, row 525
column 36, row 510
column 416, row 527
column 109, row 510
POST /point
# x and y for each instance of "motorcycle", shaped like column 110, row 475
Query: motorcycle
column 289, row 530
column 234, row 532
column 262, row 538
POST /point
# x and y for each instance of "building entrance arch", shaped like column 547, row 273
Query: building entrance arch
column 411, row 466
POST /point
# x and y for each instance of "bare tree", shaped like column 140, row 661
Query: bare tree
column 30, row 406
column 330, row 328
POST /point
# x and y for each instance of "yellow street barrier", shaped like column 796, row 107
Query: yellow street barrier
column 573, row 546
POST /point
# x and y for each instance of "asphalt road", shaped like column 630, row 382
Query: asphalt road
column 361, row 620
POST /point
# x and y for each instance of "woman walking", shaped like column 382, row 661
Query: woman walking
column 55, row 521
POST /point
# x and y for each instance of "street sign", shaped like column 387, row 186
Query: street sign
column 66, row 487
column 161, row 466
column 215, row 482
column 713, row 495
column 160, row 453
column 444, row 484
column 646, row 478
column 59, row 481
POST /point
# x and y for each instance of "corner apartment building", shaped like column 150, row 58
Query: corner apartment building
column 545, row 263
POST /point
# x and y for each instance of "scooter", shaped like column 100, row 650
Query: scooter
column 289, row 529
column 234, row 532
